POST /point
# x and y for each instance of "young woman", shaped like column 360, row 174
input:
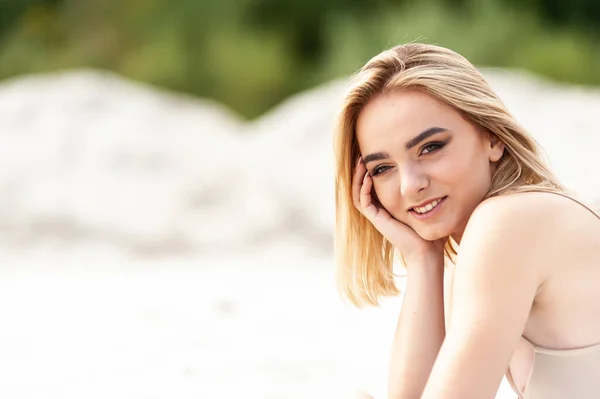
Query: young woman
column 430, row 166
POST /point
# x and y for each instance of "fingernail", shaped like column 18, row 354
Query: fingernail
column 358, row 161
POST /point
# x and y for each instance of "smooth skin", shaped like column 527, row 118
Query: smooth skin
column 527, row 264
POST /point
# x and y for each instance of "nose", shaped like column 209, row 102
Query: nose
column 413, row 180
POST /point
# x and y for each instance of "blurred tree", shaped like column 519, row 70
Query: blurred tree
column 11, row 11
column 582, row 13
column 304, row 20
column 251, row 54
column 585, row 13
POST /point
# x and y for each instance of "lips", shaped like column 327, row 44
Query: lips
column 427, row 206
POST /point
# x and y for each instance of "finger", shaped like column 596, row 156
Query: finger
column 357, row 181
column 367, row 206
column 372, row 209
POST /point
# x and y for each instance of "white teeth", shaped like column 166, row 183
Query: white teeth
column 427, row 207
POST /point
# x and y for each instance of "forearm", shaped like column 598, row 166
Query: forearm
column 420, row 331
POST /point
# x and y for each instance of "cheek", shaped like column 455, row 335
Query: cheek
column 469, row 164
column 389, row 195
column 469, row 175
column 450, row 171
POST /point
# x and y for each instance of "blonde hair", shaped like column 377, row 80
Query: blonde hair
column 364, row 258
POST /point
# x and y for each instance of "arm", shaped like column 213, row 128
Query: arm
column 502, row 262
column 420, row 330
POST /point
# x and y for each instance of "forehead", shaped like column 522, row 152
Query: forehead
column 401, row 115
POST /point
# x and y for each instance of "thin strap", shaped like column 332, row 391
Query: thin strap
column 586, row 206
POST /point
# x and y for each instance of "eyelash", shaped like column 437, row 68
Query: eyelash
column 436, row 146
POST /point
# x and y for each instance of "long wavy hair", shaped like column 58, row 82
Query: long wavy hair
column 364, row 258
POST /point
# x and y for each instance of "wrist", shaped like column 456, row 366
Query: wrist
column 426, row 274
column 426, row 261
column 429, row 270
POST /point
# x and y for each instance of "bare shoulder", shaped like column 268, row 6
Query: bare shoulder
column 530, row 205
column 527, row 212
column 521, row 226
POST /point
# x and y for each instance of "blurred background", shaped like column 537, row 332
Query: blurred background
column 250, row 55
column 166, row 182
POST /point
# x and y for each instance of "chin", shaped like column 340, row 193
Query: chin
column 433, row 234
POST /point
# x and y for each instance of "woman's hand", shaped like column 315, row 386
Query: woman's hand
column 420, row 330
column 412, row 246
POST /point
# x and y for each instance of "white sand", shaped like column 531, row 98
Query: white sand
column 154, row 246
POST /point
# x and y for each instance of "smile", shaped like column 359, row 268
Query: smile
column 428, row 209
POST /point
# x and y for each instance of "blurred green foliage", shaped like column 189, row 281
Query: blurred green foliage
column 251, row 54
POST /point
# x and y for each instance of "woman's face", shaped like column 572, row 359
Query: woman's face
column 430, row 166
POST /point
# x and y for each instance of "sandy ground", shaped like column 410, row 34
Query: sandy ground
column 256, row 327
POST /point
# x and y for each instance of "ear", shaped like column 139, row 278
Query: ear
column 496, row 147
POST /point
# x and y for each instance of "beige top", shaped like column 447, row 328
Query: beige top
column 562, row 373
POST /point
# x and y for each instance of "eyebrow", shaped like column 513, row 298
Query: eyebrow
column 376, row 156
column 415, row 141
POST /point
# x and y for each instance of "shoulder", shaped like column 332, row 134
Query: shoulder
column 526, row 212
column 504, row 257
column 518, row 229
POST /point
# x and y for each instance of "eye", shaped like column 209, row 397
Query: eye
column 380, row 169
column 431, row 147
